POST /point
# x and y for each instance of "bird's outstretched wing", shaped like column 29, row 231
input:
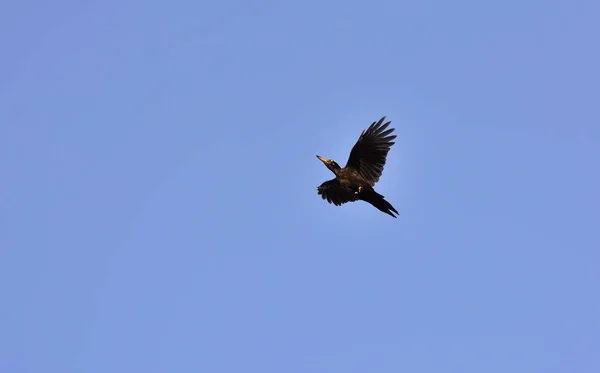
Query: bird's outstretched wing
column 336, row 193
column 369, row 154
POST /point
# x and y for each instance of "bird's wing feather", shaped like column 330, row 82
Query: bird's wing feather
column 369, row 154
column 336, row 193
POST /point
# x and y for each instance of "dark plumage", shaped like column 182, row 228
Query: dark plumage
column 355, row 181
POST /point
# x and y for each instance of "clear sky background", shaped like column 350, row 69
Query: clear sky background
column 159, row 212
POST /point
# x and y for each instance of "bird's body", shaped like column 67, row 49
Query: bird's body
column 355, row 181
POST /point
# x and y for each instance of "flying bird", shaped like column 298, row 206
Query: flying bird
column 355, row 181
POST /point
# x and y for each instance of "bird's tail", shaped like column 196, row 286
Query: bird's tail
column 379, row 202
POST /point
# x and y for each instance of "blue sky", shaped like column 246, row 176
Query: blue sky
column 159, row 209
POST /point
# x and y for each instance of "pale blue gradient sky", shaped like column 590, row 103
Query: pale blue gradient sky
column 159, row 213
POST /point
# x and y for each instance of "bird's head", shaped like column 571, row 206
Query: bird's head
column 330, row 164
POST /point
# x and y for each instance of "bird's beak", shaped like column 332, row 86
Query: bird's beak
column 322, row 159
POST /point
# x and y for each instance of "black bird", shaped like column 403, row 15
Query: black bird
column 355, row 181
